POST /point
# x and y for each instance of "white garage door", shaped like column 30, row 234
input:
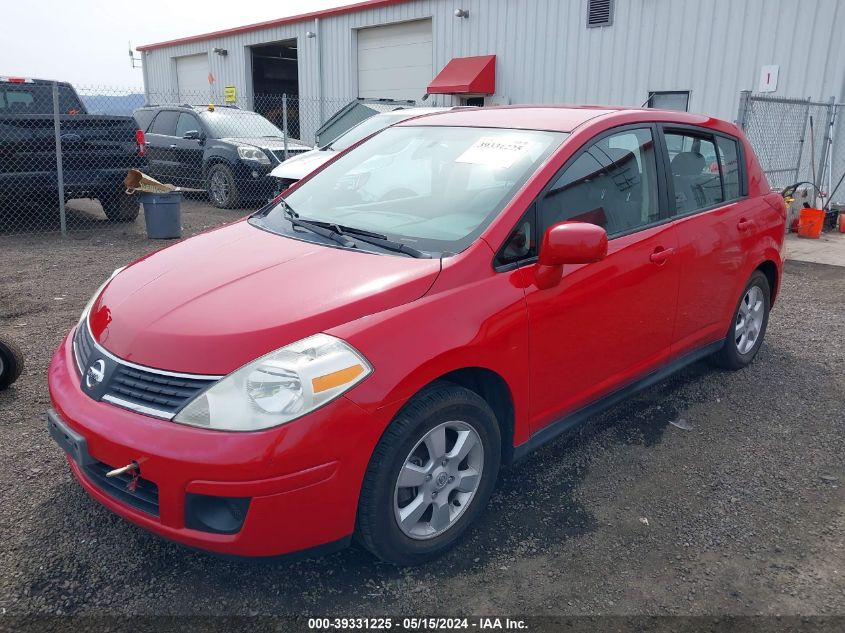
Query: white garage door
column 192, row 79
column 395, row 61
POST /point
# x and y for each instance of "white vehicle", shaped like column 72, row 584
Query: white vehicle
column 299, row 166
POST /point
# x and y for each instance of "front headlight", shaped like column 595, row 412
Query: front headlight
column 253, row 153
column 96, row 294
column 280, row 387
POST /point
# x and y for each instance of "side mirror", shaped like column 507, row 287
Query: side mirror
column 568, row 243
column 192, row 135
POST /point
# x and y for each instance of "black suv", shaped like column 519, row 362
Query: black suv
column 221, row 149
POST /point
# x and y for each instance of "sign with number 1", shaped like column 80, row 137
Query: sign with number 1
column 768, row 79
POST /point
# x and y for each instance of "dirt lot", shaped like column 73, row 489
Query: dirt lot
column 742, row 513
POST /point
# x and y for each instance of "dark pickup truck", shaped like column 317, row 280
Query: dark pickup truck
column 97, row 150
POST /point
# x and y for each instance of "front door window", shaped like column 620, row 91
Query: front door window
column 613, row 183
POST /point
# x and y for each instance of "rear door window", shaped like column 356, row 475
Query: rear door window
column 706, row 169
column 165, row 123
column 695, row 171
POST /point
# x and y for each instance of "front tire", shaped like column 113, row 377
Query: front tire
column 748, row 327
column 222, row 188
column 430, row 476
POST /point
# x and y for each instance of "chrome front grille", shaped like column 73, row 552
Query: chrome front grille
column 280, row 153
column 145, row 390
column 83, row 347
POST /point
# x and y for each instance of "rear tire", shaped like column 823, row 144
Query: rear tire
column 120, row 207
column 448, row 492
column 11, row 363
column 748, row 326
column 221, row 186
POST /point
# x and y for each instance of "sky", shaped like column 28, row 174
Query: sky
column 86, row 41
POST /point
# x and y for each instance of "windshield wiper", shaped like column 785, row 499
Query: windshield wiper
column 376, row 239
column 334, row 235
column 339, row 232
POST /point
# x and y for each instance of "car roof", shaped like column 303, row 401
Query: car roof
column 564, row 118
column 29, row 81
column 406, row 112
column 222, row 109
column 195, row 108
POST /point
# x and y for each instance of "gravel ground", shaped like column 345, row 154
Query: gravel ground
column 741, row 513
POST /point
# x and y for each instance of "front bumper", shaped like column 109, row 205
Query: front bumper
column 301, row 480
column 254, row 181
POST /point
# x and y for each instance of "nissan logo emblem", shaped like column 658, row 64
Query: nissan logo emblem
column 95, row 374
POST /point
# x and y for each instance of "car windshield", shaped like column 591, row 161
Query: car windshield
column 430, row 187
column 238, row 124
column 364, row 129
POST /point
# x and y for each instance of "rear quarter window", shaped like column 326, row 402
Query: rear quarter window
column 731, row 173
column 143, row 118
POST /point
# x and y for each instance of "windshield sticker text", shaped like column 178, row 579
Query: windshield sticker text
column 494, row 152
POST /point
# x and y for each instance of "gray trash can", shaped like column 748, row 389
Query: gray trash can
column 163, row 214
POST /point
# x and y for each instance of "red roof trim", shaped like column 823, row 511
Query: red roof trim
column 350, row 8
column 466, row 75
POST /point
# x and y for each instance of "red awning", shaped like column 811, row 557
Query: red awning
column 466, row 75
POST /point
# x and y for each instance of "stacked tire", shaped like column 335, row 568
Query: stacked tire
column 11, row 363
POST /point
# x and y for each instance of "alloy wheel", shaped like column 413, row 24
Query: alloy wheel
column 749, row 320
column 219, row 188
column 438, row 480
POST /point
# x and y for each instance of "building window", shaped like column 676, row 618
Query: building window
column 669, row 100
column 599, row 12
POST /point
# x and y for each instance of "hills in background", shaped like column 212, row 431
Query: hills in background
column 113, row 104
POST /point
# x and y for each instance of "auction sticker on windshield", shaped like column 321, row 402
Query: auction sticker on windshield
column 494, row 152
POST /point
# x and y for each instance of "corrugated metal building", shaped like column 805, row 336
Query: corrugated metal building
column 697, row 54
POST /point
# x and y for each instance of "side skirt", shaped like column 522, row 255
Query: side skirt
column 555, row 429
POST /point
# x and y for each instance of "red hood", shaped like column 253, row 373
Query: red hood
column 219, row 300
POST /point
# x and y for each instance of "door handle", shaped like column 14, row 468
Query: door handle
column 744, row 225
column 660, row 255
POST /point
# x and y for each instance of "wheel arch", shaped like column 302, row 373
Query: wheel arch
column 770, row 270
column 213, row 160
column 493, row 389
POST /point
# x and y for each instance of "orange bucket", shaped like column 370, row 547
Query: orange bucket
column 811, row 223
column 842, row 221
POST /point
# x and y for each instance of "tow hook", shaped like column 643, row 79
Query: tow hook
column 131, row 466
column 132, row 469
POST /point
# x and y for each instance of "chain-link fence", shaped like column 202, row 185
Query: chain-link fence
column 65, row 151
column 797, row 140
column 836, row 156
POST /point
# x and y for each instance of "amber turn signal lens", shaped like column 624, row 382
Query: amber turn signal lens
column 336, row 378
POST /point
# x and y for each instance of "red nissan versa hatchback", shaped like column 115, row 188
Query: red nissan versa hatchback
column 360, row 358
